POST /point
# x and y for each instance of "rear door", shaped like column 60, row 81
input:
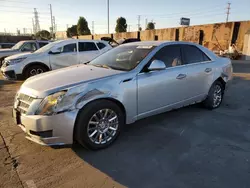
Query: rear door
column 67, row 57
column 87, row 51
column 199, row 70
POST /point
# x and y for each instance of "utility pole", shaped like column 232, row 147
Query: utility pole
column 33, row 25
column 139, row 22
column 228, row 11
column 51, row 18
column 108, row 15
column 37, row 25
column 93, row 27
column 54, row 24
column 129, row 28
column 146, row 23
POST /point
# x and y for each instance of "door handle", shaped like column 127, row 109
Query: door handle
column 127, row 80
column 181, row 76
column 207, row 70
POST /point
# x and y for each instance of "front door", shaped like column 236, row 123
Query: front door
column 160, row 89
column 66, row 57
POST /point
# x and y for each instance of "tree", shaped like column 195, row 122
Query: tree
column 43, row 34
column 82, row 27
column 72, row 31
column 150, row 26
column 121, row 25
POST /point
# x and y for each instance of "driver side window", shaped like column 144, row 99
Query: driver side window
column 170, row 55
column 68, row 48
column 30, row 46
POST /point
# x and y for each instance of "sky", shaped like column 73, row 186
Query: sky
column 18, row 14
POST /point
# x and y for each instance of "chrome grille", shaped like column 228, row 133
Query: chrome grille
column 24, row 102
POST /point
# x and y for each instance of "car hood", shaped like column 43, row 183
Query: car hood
column 50, row 82
column 21, row 55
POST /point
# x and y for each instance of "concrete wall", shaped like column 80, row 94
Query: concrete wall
column 126, row 35
column 246, row 47
column 14, row 39
column 61, row 35
column 216, row 36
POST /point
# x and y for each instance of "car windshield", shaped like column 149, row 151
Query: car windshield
column 46, row 47
column 18, row 45
column 123, row 58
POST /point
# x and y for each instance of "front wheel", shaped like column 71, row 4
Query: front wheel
column 99, row 124
column 34, row 70
column 215, row 96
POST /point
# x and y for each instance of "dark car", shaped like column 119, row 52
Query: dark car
column 6, row 45
column 114, row 43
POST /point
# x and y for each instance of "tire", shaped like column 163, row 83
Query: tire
column 84, row 130
column 1, row 61
column 34, row 70
column 215, row 96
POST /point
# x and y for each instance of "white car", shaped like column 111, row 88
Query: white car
column 53, row 56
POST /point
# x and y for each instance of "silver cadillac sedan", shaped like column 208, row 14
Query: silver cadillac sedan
column 90, row 103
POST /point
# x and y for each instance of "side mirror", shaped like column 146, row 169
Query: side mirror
column 157, row 65
column 55, row 52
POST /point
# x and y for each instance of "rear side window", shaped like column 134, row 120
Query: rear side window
column 42, row 44
column 87, row 46
column 101, row 45
column 192, row 54
column 170, row 55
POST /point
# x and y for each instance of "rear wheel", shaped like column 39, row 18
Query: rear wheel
column 99, row 124
column 34, row 70
column 215, row 96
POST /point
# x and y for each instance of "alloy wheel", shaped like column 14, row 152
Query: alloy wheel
column 102, row 126
column 34, row 72
column 217, row 96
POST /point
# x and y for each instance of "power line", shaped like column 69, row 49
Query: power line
column 181, row 13
column 15, row 1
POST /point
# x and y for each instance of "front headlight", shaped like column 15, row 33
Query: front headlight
column 15, row 61
column 51, row 104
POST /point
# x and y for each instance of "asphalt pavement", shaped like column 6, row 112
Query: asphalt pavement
column 188, row 148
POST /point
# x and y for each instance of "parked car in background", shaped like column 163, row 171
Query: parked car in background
column 6, row 45
column 56, row 55
column 91, row 103
column 115, row 43
column 22, row 47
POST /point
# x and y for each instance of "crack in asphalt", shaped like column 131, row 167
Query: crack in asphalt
column 14, row 162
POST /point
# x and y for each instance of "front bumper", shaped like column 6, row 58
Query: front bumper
column 47, row 130
column 10, row 73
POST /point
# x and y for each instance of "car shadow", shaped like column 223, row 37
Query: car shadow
column 142, row 150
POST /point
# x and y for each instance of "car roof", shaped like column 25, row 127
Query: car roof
column 82, row 40
column 157, row 43
column 34, row 41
